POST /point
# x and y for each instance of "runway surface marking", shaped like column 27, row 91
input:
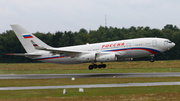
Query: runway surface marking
column 92, row 86
column 88, row 75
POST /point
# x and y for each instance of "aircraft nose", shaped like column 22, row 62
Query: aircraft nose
column 171, row 45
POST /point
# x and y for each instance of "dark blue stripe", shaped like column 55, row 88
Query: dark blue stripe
column 124, row 49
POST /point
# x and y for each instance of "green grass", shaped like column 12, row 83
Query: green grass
column 82, row 81
column 129, row 93
column 112, row 67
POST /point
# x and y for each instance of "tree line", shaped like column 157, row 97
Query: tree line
column 9, row 43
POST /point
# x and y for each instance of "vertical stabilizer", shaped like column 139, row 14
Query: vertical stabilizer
column 26, row 38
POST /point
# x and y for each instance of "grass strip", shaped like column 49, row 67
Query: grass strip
column 112, row 67
column 162, row 93
column 82, row 81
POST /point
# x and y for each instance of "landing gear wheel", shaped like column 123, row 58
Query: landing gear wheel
column 95, row 66
column 91, row 67
column 99, row 66
column 152, row 59
column 104, row 65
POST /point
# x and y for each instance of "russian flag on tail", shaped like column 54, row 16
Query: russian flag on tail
column 35, row 45
column 27, row 36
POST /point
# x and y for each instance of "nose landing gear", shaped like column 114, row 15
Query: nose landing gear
column 152, row 59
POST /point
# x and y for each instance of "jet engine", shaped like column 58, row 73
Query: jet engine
column 106, row 57
column 86, row 57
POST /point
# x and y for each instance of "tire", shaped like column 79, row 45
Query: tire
column 152, row 59
column 99, row 66
column 104, row 65
column 90, row 67
column 95, row 66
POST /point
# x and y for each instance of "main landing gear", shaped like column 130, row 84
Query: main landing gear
column 94, row 66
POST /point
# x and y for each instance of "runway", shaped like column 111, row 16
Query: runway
column 88, row 75
column 92, row 86
column 93, row 75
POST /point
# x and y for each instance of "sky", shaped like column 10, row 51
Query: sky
column 72, row 15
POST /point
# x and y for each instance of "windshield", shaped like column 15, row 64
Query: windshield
column 167, row 41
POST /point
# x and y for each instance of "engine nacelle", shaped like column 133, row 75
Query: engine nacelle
column 106, row 57
column 86, row 57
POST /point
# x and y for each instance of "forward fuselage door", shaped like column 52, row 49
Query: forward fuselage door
column 154, row 43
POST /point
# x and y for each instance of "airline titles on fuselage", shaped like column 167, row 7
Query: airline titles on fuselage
column 117, row 45
column 113, row 45
column 109, row 46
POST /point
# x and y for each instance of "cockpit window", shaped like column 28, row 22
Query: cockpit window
column 167, row 41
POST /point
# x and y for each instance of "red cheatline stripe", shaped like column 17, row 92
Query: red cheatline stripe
column 151, row 51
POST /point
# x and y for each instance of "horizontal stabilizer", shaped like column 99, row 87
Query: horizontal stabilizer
column 24, row 54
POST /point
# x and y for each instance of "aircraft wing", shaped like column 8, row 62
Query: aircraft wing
column 74, row 53
column 56, row 50
column 69, row 52
column 62, row 51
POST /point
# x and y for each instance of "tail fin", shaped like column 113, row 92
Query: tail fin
column 25, row 38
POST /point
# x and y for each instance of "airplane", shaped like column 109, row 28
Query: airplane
column 122, row 50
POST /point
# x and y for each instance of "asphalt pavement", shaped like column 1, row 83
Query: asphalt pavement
column 92, row 86
column 88, row 75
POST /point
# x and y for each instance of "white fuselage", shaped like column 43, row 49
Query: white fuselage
column 131, row 48
column 121, row 50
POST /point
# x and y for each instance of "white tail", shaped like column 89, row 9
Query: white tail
column 26, row 39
